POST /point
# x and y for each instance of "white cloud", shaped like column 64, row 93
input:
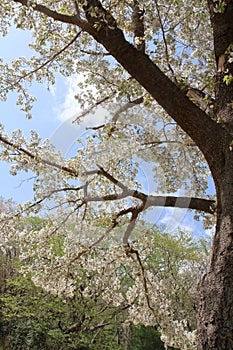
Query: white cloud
column 70, row 108
column 171, row 218
column 68, row 111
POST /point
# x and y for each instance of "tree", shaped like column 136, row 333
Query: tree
column 161, row 52
column 97, row 316
column 145, row 338
column 34, row 319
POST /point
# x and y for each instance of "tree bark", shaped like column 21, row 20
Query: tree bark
column 215, row 315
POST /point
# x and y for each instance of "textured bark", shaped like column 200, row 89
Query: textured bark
column 215, row 316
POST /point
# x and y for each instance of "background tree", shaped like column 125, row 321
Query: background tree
column 164, row 52
column 95, row 315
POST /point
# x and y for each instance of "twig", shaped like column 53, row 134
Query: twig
column 50, row 60
column 165, row 43
column 129, row 251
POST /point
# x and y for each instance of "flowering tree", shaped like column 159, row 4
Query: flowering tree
column 170, row 65
column 95, row 302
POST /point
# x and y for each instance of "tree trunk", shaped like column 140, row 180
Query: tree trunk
column 215, row 319
column 215, row 314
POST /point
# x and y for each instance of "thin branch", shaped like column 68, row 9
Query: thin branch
column 48, row 195
column 117, row 114
column 114, row 224
column 100, row 325
column 77, row 9
column 48, row 61
column 95, row 127
column 125, row 107
column 155, row 143
column 165, row 43
column 96, row 335
column 130, row 251
column 41, row 160
column 122, row 109
column 89, row 110
column 94, row 53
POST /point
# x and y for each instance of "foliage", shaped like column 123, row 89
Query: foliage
column 94, row 302
column 145, row 338
column 33, row 319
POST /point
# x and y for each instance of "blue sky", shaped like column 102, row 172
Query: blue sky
column 53, row 113
column 45, row 112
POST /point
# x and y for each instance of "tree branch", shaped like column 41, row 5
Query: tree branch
column 74, row 19
column 147, row 200
column 200, row 204
column 129, row 252
column 49, row 60
column 139, row 30
column 195, row 122
column 29, row 154
column 165, row 44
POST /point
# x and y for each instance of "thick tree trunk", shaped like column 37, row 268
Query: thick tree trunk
column 215, row 319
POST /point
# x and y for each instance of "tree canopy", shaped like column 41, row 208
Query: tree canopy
column 163, row 72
